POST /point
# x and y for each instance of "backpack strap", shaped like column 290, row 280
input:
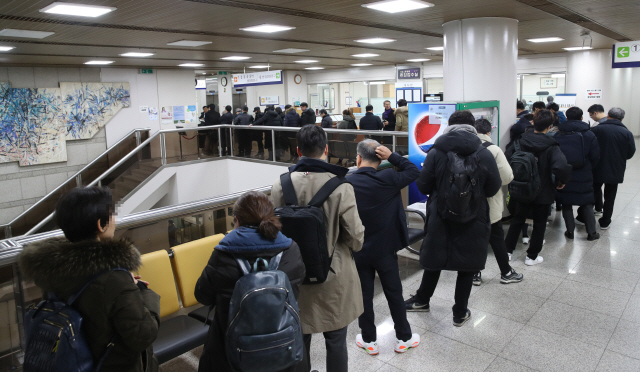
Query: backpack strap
column 325, row 191
column 75, row 296
column 275, row 261
column 245, row 266
column 288, row 192
column 516, row 145
column 487, row 144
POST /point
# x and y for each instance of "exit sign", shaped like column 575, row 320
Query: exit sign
column 223, row 73
column 146, row 71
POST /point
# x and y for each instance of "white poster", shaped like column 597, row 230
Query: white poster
column 166, row 116
column 144, row 109
column 257, row 78
column 269, row 100
column 153, row 113
column 565, row 100
column 594, row 94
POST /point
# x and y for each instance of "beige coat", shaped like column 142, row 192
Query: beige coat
column 496, row 202
column 338, row 301
column 402, row 119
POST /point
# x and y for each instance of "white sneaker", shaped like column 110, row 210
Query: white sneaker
column 530, row 262
column 369, row 347
column 403, row 346
column 525, row 240
column 509, row 256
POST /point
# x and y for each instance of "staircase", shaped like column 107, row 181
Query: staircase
column 133, row 177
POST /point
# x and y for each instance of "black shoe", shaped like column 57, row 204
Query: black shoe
column 459, row 322
column 603, row 226
column 511, row 277
column 592, row 237
column 477, row 278
column 568, row 234
column 412, row 304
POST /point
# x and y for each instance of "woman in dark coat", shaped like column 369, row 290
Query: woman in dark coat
column 256, row 234
column 580, row 147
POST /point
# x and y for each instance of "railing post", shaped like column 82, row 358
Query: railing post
column 79, row 180
column 231, row 141
column 138, row 142
column 163, row 149
column 394, row 143
column 7, row 232
column 219, row 142
column 100, row 183
column 18, row 295
column 273, row 144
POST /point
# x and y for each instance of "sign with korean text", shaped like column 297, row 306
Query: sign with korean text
column 269, row 100
column 409, row 74
column 257, row 78
column 626, row 54
column 548, row 83
column 593, row 94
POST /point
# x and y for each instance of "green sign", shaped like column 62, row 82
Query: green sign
column 146, row 71
column 223, row 73
column 623, row 52
column 277, row 75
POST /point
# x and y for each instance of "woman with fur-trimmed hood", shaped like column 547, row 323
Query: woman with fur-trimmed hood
column 116, row 306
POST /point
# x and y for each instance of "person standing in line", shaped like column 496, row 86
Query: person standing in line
column 596, row 113
column 291, row 120
column 555, row 108
column 617, row 145
column 212, row 117
column 244, row 136
column 326, row 122
column 580, row 146
column 385, row 232
column 270, row 119
column 551, row 162
column 370, row 121
column 226, row 118
column 450, row 244
column 520, row 109
column 524, row 123
column 308, row 115
column 331, row 306
column 257, row 135
column 388, row 117
column 402, row 116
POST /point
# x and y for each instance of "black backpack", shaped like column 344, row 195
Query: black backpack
column 307, row 227
column 525, row 186
column 458, row 201
column 570, row 141
column 264, row 333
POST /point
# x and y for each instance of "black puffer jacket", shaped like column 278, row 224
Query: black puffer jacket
column 327, row 122
column 517, row 129
column 308, row 117
column 111, row 306
column 617, row 145
column 579, row 191
column 226, row 118
column 551, row 161
column 292, row 119
column 450, row 245
column 218, row 279
column 269, row 119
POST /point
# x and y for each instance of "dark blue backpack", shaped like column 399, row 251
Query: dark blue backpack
column 54, row 338
column 264, row 331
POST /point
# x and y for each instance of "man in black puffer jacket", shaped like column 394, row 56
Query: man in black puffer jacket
column 449, row 245
column 270, row 119
column 308, row 115
column 551, row 162
column 226, row 118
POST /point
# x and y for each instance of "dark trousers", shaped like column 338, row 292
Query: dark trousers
column 610, row 191
column 389, row 273
column 585, row 212
column 463, row 290
column 539, row 214
column 224, row 141
column 496, row 240
column 337, row 355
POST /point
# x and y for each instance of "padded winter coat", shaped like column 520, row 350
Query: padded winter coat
column 308, row 117
column 617, row 145
column 402, row 119
column 496, row 202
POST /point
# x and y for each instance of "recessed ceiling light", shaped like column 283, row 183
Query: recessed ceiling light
column 397, row 6
column 545, row 39
column 374, row 40
column 291, row 50
column 235, row 58
column 436, row 48
column 6, row 48
column 557, row 75
column 191, row 65
column 25, row 33
column 136, row 54
column 418, row 60
column 77, row 9
column 377, row 82
column 577, row 48
column 365, row 55
column 189, row 43
column 360, row 64
column 260, row 66
column 314, row 68
column 266, row 28
column 98, row 63
column 306, row 61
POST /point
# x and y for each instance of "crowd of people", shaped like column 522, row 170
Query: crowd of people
column 548, row 161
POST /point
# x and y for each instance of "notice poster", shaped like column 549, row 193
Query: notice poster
column 153, row 113
column 191, row 115
column 144, row 109
column 178, row 114
column 592, row 94
column 166, row 115
column 427, row 121
column 565, row 100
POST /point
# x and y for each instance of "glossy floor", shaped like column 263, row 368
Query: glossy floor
column 577, row 311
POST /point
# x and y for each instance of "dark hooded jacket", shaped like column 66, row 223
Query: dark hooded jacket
column 575, row 138
column 226, row 118
column 517, row 129
column 112, row 306
column 308, row 117
column 552, row 164
column 522, row 113
column 450, row 245
column 212, row 117
column 215, row 285
column 348, row 123
column 292, row 119
column 617, row 145
column 327, row 122
column 269, row 119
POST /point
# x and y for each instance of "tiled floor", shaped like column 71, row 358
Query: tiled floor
column 577, row 311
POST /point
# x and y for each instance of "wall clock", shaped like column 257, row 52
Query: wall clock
column 223, row 81
column 297, row 79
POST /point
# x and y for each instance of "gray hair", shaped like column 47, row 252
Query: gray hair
column 616, row 113
column 367, row 150
column 549, row 99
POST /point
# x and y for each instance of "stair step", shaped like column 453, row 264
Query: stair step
column 136, row 177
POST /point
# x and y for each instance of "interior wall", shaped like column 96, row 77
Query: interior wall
column 352, row 74
column 254, row 93
column 295, row 92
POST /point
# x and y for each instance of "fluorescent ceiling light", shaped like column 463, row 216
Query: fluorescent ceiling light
column 191, row 65
column 577, row 48
column 235, row 58
column 360, row 64
column 436, row 48
column 98, row 63
column 375, row 40
column 260, row 66
column 291, row 50
column 25, row 33
column 306, row 61
column 418, row 60
column 6, row 48
column 397, row 6
column 189, row 43
column 377, row 82
column 136, row 54
column 557, row 75
column 545, row 39
column 365, row 55
column 77, row 9
column 314, row 68
column 266, row 28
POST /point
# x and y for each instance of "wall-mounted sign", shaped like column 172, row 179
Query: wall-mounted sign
column 409, row 73
column 548, row 83
column 201, row 84
column 269, row 100
column 146, row 71
column 565, row 100
column 626, row 54
column 409, row 84
column 257, row 78
column 593, row 94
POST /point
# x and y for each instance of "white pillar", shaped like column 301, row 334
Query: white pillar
column 225, row 94
column 480, row 56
